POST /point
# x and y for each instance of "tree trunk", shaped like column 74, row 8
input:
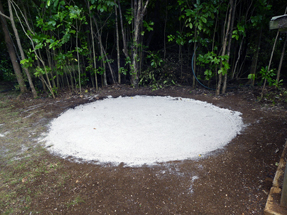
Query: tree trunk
column 118, row 45
column 270, row 61
column 94, row 51
column 281, row 61
column 12, row 54
column 224, row 46
column 99, row 36
column 106, row 60
column 32, row 42
column 232, row 7
column 34, row 92
column 255, row 58
column 194, row 64
column 238, row 57
column 125, row 49
column 138, row 17
column 78, row 61
column 51, row 67
column 41, row 77
column 57, row 73
column 164, row 31
column 134, row 65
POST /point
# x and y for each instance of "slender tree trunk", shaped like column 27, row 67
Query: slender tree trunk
column 194, row 60
column 69, row 70
column 255, row 57
column 95, row 61
column 47, row 83
column 164, row 36
column 134, row 65
column 57, row 73
column 32, row 42
column 270, row 61
column 232, row 7
column 224, row 46
column 78, row 57
column 51, row 67
column 179, row 60
column 99, row 36
column 34, row 92
column 103, row 61
column 106, row 59
column 238, row 75
column 12, row 53
column 125, row 49
column 238, row 58
column 214, row 31
column 281, row 60
column 41, row 77
column 118, row 45
column 93, row 45
column 138, row 17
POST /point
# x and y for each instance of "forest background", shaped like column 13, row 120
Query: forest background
column 51, row 45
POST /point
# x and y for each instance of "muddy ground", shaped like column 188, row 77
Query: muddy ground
column 232, row 180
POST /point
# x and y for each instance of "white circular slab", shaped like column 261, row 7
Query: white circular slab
column 142, row 130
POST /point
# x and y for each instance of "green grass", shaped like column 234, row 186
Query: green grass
column 75, row 201
column 19, row 168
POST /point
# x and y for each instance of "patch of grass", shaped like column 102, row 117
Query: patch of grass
column 21, row 161
column 74, row 202
column 9, row 211
column 6, row 199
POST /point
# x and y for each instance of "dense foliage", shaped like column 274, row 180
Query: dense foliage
column 94, row 43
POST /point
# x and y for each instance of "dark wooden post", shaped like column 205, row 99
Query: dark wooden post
column 280, row 23
column 283, row 201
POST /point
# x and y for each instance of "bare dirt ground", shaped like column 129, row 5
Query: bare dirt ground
column 232, row 180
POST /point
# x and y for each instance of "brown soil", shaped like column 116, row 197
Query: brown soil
column 232, row 180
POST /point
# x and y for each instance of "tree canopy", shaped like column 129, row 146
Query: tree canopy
column 93, row 43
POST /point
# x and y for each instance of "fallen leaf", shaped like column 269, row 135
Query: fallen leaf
column 24, row 180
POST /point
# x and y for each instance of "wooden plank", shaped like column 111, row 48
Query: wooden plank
column 283, row 201
column 278, row 22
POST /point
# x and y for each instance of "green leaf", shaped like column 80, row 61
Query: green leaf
column 39, row 46
column 24, row 61
column 56, row 3
column 251, row 76
column 189, row 12
column 204, row 19
column 52, row 22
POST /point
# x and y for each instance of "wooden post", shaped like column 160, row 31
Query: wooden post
column 283, row 201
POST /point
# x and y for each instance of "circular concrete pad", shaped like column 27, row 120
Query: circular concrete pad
column 142, row 130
